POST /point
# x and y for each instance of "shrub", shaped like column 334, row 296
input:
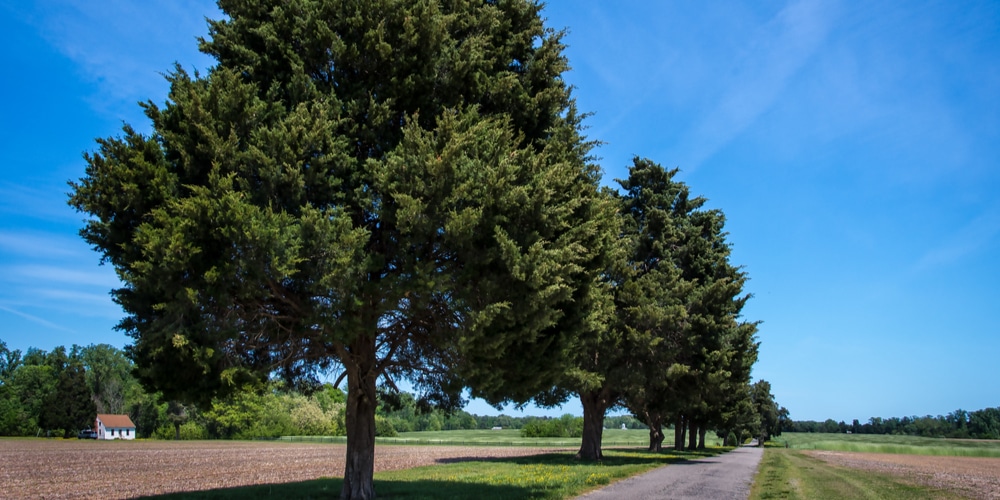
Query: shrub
column 565, row 426
column 731, row 439
column 384, row 428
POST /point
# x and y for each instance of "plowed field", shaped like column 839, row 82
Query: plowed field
column 968, row 476
column 31, row 468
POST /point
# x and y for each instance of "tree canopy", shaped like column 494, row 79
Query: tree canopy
column 682, row 303
column 400, row 188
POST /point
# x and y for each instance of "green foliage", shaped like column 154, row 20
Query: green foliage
column 250, row 414
column 330, row 186
column 31, row 385
column 384, row 427
column 70, row 406
column 9, row 361
column 630, row 422
column 400, row 188
column 979, row 424
column 767, row 411
column 186, row 432
column 14, row 420
column 109, row 377
column 57, row 391
column 680, row 299
column 511, row 437
column 565, row 426
column 731, row 439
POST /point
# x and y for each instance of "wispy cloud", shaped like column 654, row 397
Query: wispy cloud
column 101, row 277
column 970, row 239
column 37, row 202
column 778, row 51
column 79, row 303
column 34, row 319
column 38, row 244
column 124, row 47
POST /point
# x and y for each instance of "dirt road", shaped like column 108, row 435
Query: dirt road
column 726, row 476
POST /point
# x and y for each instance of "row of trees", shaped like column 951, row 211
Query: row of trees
column 979, row 424
column 42, row 393
column 402, row 189
column 60, row 392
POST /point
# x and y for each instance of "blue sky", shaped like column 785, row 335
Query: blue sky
column 854, row 147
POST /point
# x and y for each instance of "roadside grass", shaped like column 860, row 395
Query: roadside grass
column 546, row 476
column 505, row 437
column 900, row 445
column 791, row 474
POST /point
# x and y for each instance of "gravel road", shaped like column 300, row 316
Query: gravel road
column 727, row 476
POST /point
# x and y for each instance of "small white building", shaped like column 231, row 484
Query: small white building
column 114, row 427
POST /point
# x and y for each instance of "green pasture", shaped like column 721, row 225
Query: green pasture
column 506, row 437
column 879, row 443
column 791, row 474
column 551, row 476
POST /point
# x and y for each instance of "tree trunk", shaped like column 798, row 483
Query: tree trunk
column 360, row 420
column 177, row 431
column 655, row 423
column 595, row 405
column 692, row 435
column 702, row 430
column 679, row 426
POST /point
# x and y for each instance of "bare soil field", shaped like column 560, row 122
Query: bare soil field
column 33, row 468
column 968, row 476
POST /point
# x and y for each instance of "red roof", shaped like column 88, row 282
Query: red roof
column 115, row 421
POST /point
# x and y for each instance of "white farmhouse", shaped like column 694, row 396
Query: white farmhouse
column 114, row 427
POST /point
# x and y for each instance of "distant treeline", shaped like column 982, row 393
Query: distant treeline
column 979, row 424
column 59, row 392
column 403, row 413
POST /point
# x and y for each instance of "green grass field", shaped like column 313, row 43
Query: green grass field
column 506, row 437
column 905, row 445
column 549, row 476
column 791, row 474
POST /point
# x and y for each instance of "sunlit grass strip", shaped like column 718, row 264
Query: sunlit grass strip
column 790, row 474
column 505, row 437
column 548, row 476
column 903, row 445
column 937, row 451
column 542, row 476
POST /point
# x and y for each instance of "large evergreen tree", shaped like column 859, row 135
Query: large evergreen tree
column 683, row 301
column 397, row 187
column 70, row 406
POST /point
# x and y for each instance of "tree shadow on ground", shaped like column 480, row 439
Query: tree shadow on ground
column 622, row 460
column 612, row 457
column 330, row 488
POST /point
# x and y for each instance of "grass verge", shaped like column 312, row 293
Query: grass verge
column 792, row 474
column 900, row 445
column 548, row 476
